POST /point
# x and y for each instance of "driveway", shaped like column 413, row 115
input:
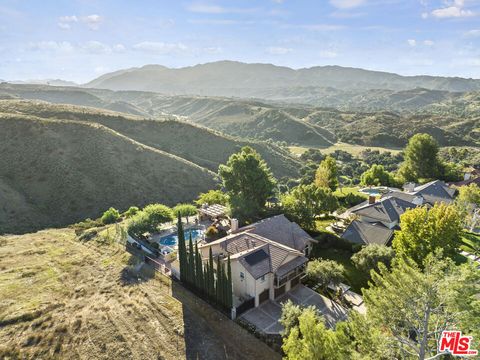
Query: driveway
column 266, row 316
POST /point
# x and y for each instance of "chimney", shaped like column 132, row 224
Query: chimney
column 233, row 225
column 372, row 199
column 409, row 187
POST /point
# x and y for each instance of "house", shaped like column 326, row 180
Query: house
column 429, row 193
column 376, row 220
column 472, row 176
column 364, row 233
column 267, row 258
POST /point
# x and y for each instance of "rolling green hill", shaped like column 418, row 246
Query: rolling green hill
column 63, row 163
column 370, row 118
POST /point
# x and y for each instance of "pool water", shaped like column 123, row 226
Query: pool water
column 172, row 239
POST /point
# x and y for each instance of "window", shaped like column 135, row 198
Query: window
column 242, row 276
column 262, row 279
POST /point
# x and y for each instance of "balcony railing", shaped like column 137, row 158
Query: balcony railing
column 280, row 281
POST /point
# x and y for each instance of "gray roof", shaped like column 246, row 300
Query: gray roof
column 286, row 268
column 280, row 229
column 435, row 191
column 386, row 209
column 360, row 232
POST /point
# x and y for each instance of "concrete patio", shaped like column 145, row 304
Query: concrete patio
column 266, row 316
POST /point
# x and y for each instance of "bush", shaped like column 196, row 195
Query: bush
column 149, row 219
column 185, row 210
column 328, row 240
column 211, row 232
column 371, row 255
column 110, row 216
column 132, row 210
column 325, row 272
column 350, row 199
column 212, row 197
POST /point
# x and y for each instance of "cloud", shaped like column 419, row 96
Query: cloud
column 276, row 50
column 93, row 21
column 218, row 22
column 205, row 8
column 320, row 27
column 428, row 42
column 412, row 42
column 57, row 46
column 454, row 10
column 160, row 47
column 472, row 33
column 96, row 47
column 65, row 21
column 119, row 48
column 346, row 4
column 328, row 54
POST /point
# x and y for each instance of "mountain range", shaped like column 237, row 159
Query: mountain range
column 231, row 78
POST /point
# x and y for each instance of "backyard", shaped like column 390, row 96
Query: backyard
column 62, row 297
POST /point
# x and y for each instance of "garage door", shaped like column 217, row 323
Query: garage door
column 264, row 295
column 279, row 291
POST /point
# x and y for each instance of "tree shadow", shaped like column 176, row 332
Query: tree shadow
column 136, row 271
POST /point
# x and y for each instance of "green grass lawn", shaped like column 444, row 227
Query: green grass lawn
column 353, row 277
column 470, row 243
column 344, row 190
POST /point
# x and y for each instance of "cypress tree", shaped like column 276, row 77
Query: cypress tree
column 182, row 251
column 191, row 262
column 229, row 284
column 219, row 288
column 211, row 280
column 198, row 269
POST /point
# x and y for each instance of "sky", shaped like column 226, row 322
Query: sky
column 79, row 40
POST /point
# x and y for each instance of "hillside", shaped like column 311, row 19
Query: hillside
column 371, row 118
column 231, row 78
column 63, row 163
column 63, row 298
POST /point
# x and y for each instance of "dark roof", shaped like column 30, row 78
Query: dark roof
column 255, row 257
column 475, row 181
column 435, row 191
column 280, row 229
column 386, row 209
column 360, row 232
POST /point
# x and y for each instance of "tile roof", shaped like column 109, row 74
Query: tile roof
column 360, row 232
column 280, row 229
column 253, row 242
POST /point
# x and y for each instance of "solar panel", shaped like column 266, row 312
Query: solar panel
column 256, row 257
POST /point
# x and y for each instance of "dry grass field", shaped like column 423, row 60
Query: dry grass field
column 351, row 148
column 67, row 299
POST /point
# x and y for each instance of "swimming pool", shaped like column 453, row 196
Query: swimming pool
column 172, row 239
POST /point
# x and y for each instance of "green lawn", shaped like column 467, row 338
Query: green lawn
column 344, row 190
column 353, row 277
column 470, row 243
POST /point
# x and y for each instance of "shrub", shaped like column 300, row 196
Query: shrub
column 212, row 197
column 132, row 210
column 371, row 255
column 110, row 216
column 211, row 232
column 325, row 272
column 149, row 219
column 185, row 210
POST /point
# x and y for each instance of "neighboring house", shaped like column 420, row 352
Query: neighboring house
column 376, row 220
column 429, row 193
column 472, row 176
column 267, row 258
column 364, row 233
column 386, row 211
